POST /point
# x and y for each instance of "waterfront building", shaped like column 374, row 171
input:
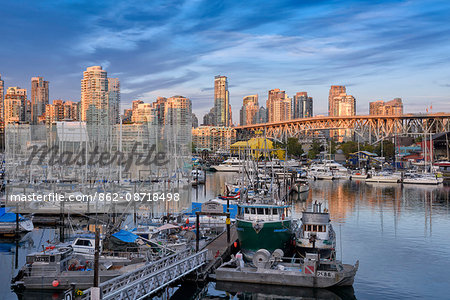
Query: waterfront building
column 249, row 110
column 114, row 100
column 144, row 113
column 72, row 111
column 278, row 106
column 213, row 138
column 222, row 107
column 94, row 96
column 257, row 147
column 39, row 98
column 390, row 108
column 302, row 106
column 16, row 105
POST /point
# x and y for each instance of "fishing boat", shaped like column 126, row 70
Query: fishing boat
column 316, row 233
column 274, row 269
column 56, row 268
column 232, row 164
column 267, row 226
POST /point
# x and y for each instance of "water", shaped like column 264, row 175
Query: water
column 399, row 234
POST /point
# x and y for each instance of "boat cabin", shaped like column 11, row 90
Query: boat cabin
column 85, row 245
column 264, row 212
column 51, row 260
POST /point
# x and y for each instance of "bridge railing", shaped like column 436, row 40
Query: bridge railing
column 148, row 279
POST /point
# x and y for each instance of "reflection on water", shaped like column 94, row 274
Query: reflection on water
column 400, row 235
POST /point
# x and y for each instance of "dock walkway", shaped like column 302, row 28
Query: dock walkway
column 147, row 280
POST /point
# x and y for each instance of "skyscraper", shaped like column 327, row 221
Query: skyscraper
column 390, row 108
column 222, row 107
column 302, row 106
column 209, row 118
column 39, row 98
column 278, row 106
column 114, row 100
column 2, row 105
column 178, row 120
column 335, row 91
column 249, row 110
column 94, row 96
column 16, row 105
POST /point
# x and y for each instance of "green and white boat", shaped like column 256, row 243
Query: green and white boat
column 263, row 226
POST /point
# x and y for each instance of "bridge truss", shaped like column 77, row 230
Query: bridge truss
column 370, row 127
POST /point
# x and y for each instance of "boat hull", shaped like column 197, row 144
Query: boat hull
column 263, row 235
column 287, row 277
column 221, row 168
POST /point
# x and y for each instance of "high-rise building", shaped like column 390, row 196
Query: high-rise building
column 209, row 118
column 345, row 105
column 222, row 107
column 278, row 106
column 262, row 115
column 61, row 110
column 390, row 108
column 335, row 91
column 302, row 106
column 16, row 105
column 2, row 104
column 145, row 113
column 194, row 121
column 72, row 111
column 39, row 98
column 249, row 110
column 178, row 119
column 94, row 96
column 114, row 100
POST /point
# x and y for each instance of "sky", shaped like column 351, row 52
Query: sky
column 379, row 50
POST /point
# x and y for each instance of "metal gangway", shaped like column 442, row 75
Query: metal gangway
column 150, row 278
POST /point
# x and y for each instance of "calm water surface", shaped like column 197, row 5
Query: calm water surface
column 399, row 234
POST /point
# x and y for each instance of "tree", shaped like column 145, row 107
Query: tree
column 349, row 147
column 388, row 149
column 315, row 149
column 294, row 148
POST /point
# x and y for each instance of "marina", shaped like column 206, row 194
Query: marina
column 390, row 210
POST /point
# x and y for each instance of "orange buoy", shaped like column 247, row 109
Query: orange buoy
column 235, row 244
column 55, row 283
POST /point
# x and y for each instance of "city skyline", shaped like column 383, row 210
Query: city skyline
column 357, row 44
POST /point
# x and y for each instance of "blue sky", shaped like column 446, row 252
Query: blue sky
column 378, row 49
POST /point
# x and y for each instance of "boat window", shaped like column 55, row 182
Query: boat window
column 260, row 211
column 253, row 210
column 52, row 258
column 314, row 228
column 246, row 210
column 266, row 211
column 83, row 243
column 274, row 211
column 309, row 228
column 319, row 228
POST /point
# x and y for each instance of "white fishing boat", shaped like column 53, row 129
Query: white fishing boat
column 316, row 233
column 301, row 186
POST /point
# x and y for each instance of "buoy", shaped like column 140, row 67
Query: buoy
column 55, row 283
column 187, row 221
column 235, row 244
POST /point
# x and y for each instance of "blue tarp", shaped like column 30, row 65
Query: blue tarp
column 197, row 206
column 125, row 236
column 9, row 217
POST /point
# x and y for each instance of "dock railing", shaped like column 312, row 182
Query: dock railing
column 150, row 278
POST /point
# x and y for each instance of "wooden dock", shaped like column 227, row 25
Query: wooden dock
column 218, row 251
